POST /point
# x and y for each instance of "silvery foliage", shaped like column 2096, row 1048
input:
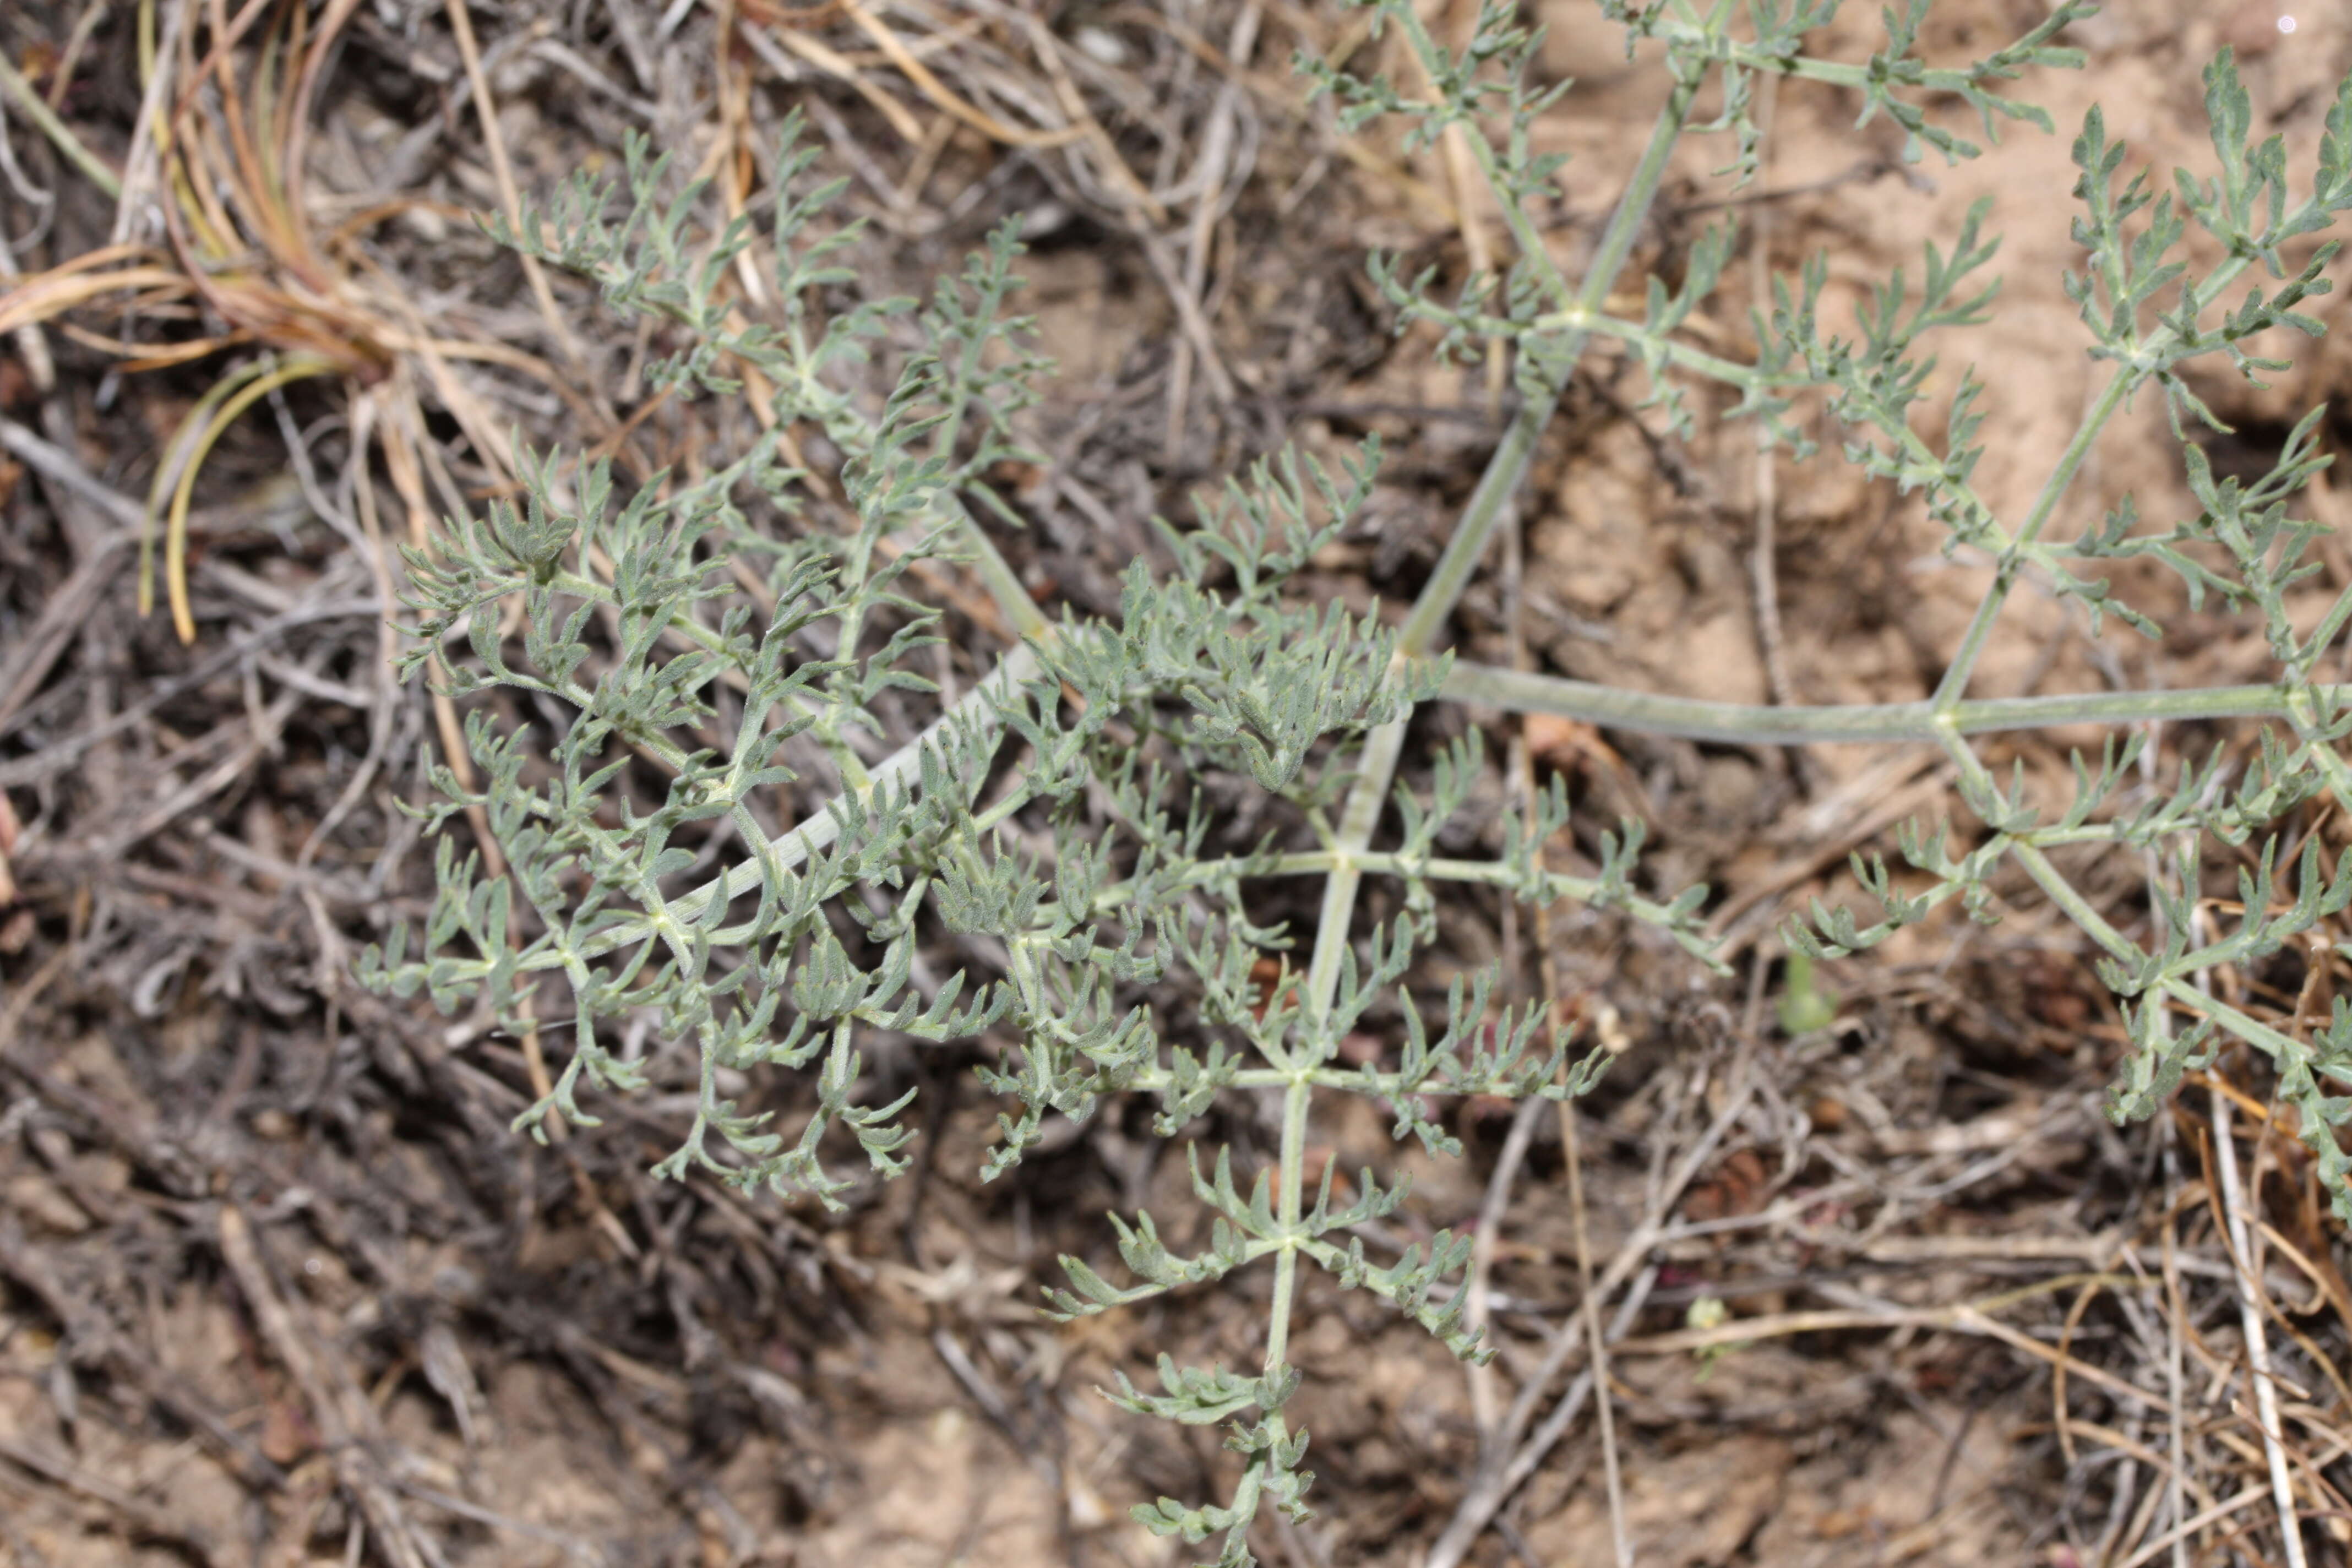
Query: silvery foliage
column 1055, row 816
column 748, row 635
column 2151, row 309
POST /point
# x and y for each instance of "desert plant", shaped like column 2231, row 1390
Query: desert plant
column 1060, row 816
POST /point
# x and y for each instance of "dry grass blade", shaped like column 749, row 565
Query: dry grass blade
column 37, row 109
column 1210, row 174
column 895, row 50
column 461, row 25
column 214, row 413
column 43, row 297
column 2250, row 1290
column 238, row 221
column 816, row 53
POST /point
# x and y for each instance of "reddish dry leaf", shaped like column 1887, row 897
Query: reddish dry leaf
column 1565, row 745
column 9, row 829
column 1738, row 1186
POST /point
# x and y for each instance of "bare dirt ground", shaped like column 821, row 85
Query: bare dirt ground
column 276, row 1283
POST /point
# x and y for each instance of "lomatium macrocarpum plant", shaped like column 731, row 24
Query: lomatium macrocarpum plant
column 1058, row 816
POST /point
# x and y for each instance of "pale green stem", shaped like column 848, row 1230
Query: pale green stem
column 2129, row 376
column 2303, row 712
column 1381, row 863
column 2271, row 1042
column 996, row 574
column 1489, row 504
column 1295, row 1099
column 1927, row 465
column 792, row 846
column 1523, row 232
column 1955, row 684
column 1655, row 713
column 2268, row 1040
column 1808, row 67
column 1520, row 693
column 2078, row 908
